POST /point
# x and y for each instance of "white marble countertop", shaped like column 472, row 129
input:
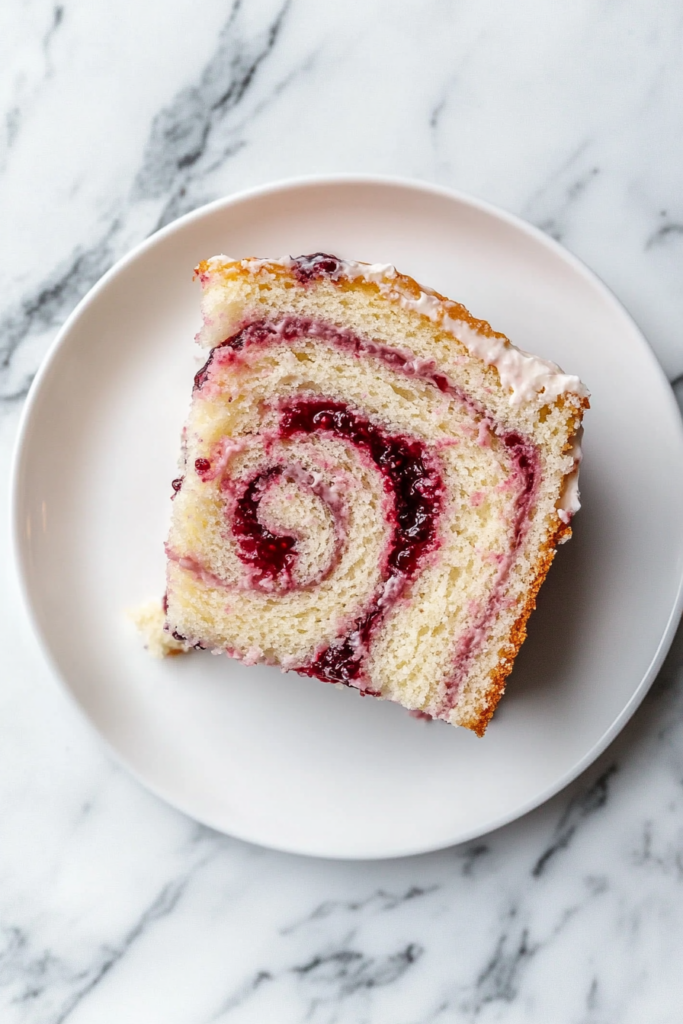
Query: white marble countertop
column 119, row 117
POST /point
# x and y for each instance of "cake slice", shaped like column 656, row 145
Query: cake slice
column 373, row 484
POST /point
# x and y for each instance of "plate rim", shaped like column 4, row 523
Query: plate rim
column 19, row 549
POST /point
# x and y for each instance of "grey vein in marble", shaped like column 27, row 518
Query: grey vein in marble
column 330, row 977
column 182, row 134
column 667, row 232
column 186, row 140
column 165, row 903
column 47, row 309
column 378, row 901
column 116, row 119
column 584, row 804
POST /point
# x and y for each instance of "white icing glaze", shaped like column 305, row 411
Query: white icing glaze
column 524, row 375
column 377, row 273
column 570, row 503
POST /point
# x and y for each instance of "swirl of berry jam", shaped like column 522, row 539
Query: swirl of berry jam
column 269, row 556
column 410, row 474
column 412, row 479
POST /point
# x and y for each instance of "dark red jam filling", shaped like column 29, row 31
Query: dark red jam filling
column 201, row 376
column 176, row 485
column 525, row 458
column 402, row 461
column 416, row 487
column 271, row 557
column 417, row 490
column 295, row 328
column 317, row 265
column 260, row 333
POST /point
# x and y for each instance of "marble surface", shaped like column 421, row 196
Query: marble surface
column 117, row 118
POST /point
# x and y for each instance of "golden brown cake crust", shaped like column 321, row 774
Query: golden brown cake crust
column 517, row 636
column 402, row 282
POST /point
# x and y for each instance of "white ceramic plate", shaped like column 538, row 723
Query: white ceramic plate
column 286, row 761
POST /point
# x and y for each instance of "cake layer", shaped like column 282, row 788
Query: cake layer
column 373, row 484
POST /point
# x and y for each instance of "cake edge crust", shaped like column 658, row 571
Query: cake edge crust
column 516, row 637
column 519, row 372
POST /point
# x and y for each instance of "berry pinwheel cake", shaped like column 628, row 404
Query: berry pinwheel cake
column 373, row 484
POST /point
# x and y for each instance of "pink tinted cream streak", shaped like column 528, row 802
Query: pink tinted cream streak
column 474, row 637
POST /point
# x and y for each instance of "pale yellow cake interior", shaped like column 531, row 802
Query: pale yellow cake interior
column 212, row 597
